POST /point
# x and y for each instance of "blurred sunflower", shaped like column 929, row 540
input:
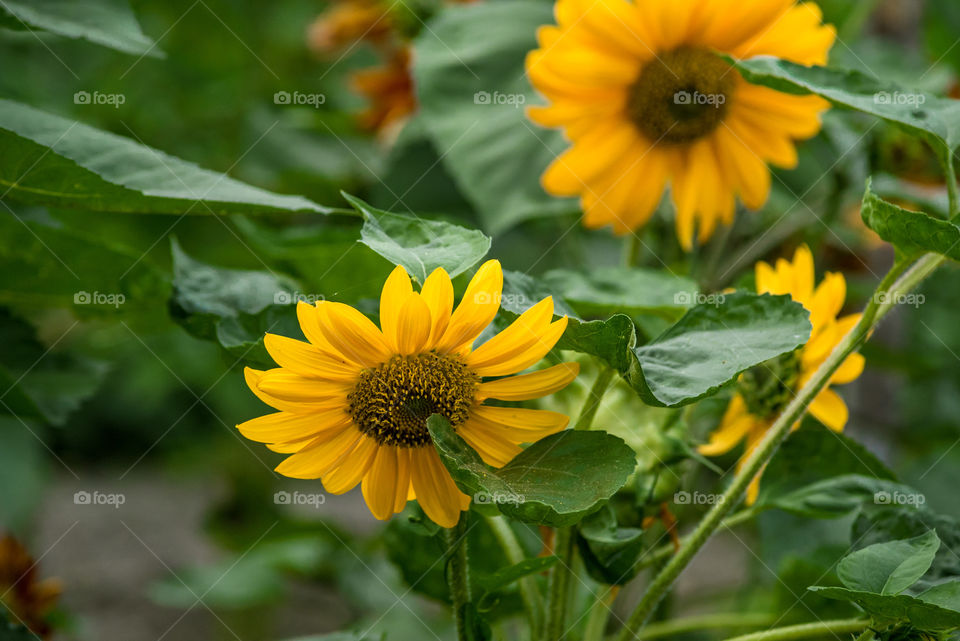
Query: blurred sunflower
column 22, row 593
column 763, row 391
column 645, row 99
column 355, row 399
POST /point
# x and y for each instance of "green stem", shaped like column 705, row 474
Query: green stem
column 893, row 285
column 705, row 622
column 532, row 599
column 665, row 551
column 950, row 175
column 600, row 613
column 810, row 630
column 564, row 546
column 631, row 250
column 458, row 573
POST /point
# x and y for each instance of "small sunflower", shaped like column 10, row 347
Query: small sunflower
column 763, row 391
column 354, row 401
column 22, row 593
column 645, row 99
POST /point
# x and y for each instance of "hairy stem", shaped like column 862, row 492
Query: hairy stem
column 532, row 599
column 705, row 622
column 600, row 613
column 458, row 573
column 898, row 281
column 810, row 630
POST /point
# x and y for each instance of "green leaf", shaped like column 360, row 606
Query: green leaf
column 713, row 343
column 522, row 291
column 610, row 552
column 910, row 231
column 110, row 23
column 420, row 245
column 472, row 90
column 231, row 306
column 833, row 497
column 628, row 290
column 24, row 467
column 888, row 609
column 891, row 567
column 609, row 340
column 556, row 481
column 342, row 636
column 491, row 584
column 54, row 161
column 934, row 119
column 46, row 264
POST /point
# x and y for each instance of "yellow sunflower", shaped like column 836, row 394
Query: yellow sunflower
column 646, row 101
column 763, row 391
column 353, row 401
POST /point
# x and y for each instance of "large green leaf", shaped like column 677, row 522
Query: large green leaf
column 890, row 567
column 231, row 306
column 556, row 481
column 713, row 343
column 58, row 162
column 472, row 90
column 107, row 22
column 629, row 290
column 935, row 119
column 912, row 232
column 609, row 340
column 420, row 245
column 900, row 608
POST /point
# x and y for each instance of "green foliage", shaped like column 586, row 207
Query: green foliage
column 629, row 290
column 556, row 481
column 910, row 231
column 470, row 80
column 609, row 551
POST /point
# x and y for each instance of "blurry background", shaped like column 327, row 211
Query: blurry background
column 178, row 531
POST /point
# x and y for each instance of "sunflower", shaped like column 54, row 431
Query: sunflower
column 646, row 100
column 763, row 391
column 27, row 598
column 354, row 401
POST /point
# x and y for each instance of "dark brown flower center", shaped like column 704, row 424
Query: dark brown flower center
column 681, row 95
column 392, row 402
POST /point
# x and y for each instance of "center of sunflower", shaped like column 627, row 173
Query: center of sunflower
column 768, row 387
column 392, row 401
column 681, row 95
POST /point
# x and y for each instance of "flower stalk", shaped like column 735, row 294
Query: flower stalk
column 810, row 630
column 458, row 573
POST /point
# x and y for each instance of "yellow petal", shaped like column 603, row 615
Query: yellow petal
column 395, row 291
column 309, row 318
column 380, row 484
column 521, row 418
column 285, row 385
column 523, row 359
column 320, row 460
column 827, row 300
column 413, row 325
column 435, row 490
column 849, row 370
column 344, row 478
column 477, row 308
column 736, row 424
column 437, row 293
column 494, row 450
column 403, row 479
column 353, row 334
column 253, row 378
column 308, row 360
column 829, row 409
column 284, row 426
column 520, row 335
column 528, row 386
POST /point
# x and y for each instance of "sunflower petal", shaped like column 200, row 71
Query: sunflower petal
column 353, row 334
column 308, row 360
column 528, row 386
column 435, row 490
column 829, row 409
column 477, row 308
column 437, row 293
column 395, row 291
column 380, row 484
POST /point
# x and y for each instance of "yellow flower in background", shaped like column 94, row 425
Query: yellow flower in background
column 647, row 102
column 763, row 391
column 353, row 401
column 25, row 598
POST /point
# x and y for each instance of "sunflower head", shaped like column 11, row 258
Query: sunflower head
column 763, row 391
column 647, row 101
column 353, row 401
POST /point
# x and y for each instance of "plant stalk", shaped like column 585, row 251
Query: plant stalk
column 705, row 622
column 532, row 599
column 810, row 630
column 458, row 573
